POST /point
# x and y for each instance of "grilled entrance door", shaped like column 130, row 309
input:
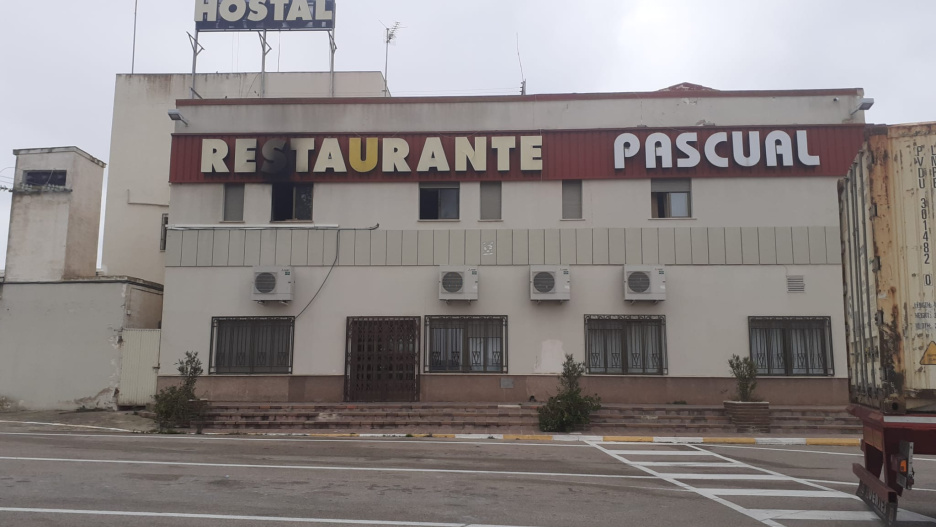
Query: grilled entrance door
column 382, row 359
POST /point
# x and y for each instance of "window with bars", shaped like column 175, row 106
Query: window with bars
column 466, row 344
column 791, row 345
column 626, row 344
column 247, row 345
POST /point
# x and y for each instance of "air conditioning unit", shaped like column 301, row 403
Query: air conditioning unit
column 644, row 282
column 458, row 283
column 550, row 282
column 272, row 284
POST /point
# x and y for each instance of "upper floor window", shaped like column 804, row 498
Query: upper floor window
column 438, row 201
column 234, row 202
column 671, row 198
column 626, row 344
column 572, row 199
column 791, row 345
column 491, row 200
column 292, row 202
column 44, row 178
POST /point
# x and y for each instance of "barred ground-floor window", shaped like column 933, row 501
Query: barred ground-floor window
column 466, row 344
column 252, row 344
column 625, row 344
column 791, row 345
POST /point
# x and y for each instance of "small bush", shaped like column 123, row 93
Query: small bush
column 745, row 371
column 173, row 406
column 568, row 410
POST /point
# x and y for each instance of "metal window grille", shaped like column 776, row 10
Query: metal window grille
column 466, row 344
column 791, row 345
column 252, row 344
column 45, row 178
column 626, row 344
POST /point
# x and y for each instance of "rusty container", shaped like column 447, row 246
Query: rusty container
column 888, row 222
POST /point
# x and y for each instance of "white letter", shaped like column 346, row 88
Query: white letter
column 213, row 152
column 274, row 155
column 710, row 144
column 778, row 142
column 503, row 145
column 330, row 157
column 245, row 155
column 802, row 149
column 258, row 11
column 465, row 153
column 394, row 155
column 240, row 7
column 322, row 12
column 206, row 11
column 625, row 146
column 299, row 11
column 737, row 143
column 433, row 156
column 659, row 145
column 531, row 152
column 692, row 153
column 303, row 147
column 279, row 8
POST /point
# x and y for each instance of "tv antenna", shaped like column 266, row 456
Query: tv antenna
column 522, row 76
column 391, row 36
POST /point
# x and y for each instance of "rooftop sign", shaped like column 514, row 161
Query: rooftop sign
column 260, row 15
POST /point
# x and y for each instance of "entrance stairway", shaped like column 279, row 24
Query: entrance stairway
column 612, row 419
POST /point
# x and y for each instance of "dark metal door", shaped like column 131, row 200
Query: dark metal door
column 382, row 359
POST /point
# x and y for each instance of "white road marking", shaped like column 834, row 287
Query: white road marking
column 855, row 483
column 902, row 515
column 775, row 493
column 332, row 468
column 71, row 426
column 730, row 477
column 691, row 464
column 333, row 521
column 677, row 440
column 660, row 453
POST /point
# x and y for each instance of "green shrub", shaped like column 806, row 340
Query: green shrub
column 745, row 371
column 568, row 410
column 177, row 405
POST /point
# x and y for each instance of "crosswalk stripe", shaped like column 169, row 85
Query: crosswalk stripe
column 748, row 477
column 777, row 493
column 693, row 464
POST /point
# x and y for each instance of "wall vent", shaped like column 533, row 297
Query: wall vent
column 796, row 284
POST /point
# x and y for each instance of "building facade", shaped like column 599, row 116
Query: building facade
column 650, row 235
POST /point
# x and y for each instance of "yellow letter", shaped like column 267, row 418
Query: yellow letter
column 363, row 166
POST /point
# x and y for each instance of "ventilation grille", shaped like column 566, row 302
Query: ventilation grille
column 265, row 282
column 796, row 284
column 544, row 282
column 638, row 281
column 452, row 282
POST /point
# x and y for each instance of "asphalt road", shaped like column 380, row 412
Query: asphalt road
column 102, row 479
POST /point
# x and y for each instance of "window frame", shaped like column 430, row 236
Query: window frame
column 243, row 201
column 626, row 322
column 49, row 176
column 481, row 200
column 568, row 183
column 786, row 324
column 295, row 187
column 287, row 323
column 665, row 189
column 163, row 231
column 492, row 323
column 439, row 187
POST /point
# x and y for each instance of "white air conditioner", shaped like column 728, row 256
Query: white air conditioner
column 644, row 282
column 272, row 284
column 458, row 283
column 550, row 282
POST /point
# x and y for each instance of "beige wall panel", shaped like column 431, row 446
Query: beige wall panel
column 473, row 247
column 410, row 243
column 220, row 248
column 667, row 240
column 634, row 246
column 833, row 245
column 800, row 245
column 173, row 248
column 394, row 247
column 584, row 245
column 283, row 247
column 488, row 247
column 268, row 247
column 205, row 248
column 440, row 248
column 521, row 247
column 330, row 248
column 683, row 246
column 650, row 245
column 784, row 239
column 567, row 246
column 346, row 248
column 504, row 247
column 537, row 247
column 552, row 246
column 617, row 241
column 317, row 248
column 716, row 245
column 237, row 250
column 457, row 247
column 378, row 247
column 817, row 245
column 733, row 252
column 600, row 246
column 362, row 247
column 189, row 248
column 700, row 245
column 750, row 248
column 299, row 249
column 767, row 240
column 424, row 249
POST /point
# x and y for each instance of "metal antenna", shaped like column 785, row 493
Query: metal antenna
column 522, row 76
column 133, row 59
column 391, row 36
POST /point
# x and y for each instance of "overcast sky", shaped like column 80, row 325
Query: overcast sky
column 60, row 56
